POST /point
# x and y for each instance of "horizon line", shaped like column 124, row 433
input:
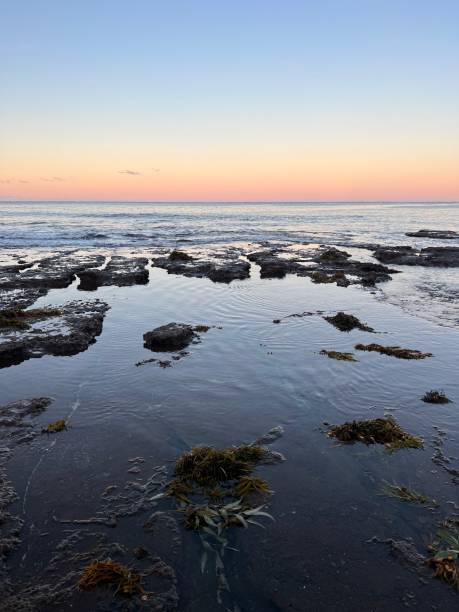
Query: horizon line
column 87, row 201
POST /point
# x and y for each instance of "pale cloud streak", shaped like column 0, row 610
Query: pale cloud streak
column 131, row 172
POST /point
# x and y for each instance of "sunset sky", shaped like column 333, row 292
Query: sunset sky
column 229, row 100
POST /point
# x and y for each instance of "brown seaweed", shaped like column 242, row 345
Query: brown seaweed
column 394, row 351
column 376, row 431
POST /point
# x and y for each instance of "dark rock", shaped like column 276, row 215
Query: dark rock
column 429, row 257
column 140, row 552
column 170, row 337
column 439, row 234
column 222, row 269
column 120, row 271
column 68, row 334
column 11, row 415
column 180, row 256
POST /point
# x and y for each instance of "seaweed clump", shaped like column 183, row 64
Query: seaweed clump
column 347, row 322
column 435, row 397
column 404, row 493
column 319, row 277
column 176, row 255
column 55, row 427
column 207, row 466
column 109, row 573
column 376, row 431
column 201, row 329
column 445, row 553
column 339, row 355
column 20, row 319
column 251, row 485
column 394, row 351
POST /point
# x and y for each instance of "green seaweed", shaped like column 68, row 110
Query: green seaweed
column 376, row 431
column 404, row 493
column 445, row 550
column 55, row 427
column 347, row 322
column 394, row 351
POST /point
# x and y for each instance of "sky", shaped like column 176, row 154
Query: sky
column 229, row 100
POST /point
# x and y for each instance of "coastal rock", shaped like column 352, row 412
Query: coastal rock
column 438, row 234
column 21, row 286
column 69, row 333
column 328, row 265
column 11, row 415
column 222, row 268
column 170, row 337
column 120, row 271
column 445, row 257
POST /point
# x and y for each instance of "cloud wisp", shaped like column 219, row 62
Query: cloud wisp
column 130, row 172
column 52, row 179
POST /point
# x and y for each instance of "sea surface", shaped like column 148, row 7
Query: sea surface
column 111, row 226
column 323, row 551
column 120, row 224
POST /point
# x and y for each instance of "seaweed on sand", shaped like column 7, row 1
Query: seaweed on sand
column 110, row 573
column 435, row 397
column 404, row 493
column 347, row 322
column 55, row 427
column 20, row 319
column 394, row 351
column 339, row 355
column 376, row 431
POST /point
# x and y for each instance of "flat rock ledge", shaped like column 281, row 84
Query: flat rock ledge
column 438, row 234
column 322, row 265
column 70, row 332
column 444, row 257
column 170, row 337
column 222, row 269
column 120, row 272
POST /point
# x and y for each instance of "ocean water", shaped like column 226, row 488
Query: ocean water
column 111, row 224
column 28, row 227
column 245, row 377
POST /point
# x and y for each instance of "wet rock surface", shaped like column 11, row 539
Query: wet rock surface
column 120, row 271
column 170, row 337
column 444, row 257
column 322, row 265
column 69, row 333
column 16, row 427
column 438, row 234
column 222, row 268
column 21, row 285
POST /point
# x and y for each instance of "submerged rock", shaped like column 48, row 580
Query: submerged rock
column 394, row 351
column 439, row 234
column 170, row 337
column 120, row 271
column 347, row 322
column 69, row 333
